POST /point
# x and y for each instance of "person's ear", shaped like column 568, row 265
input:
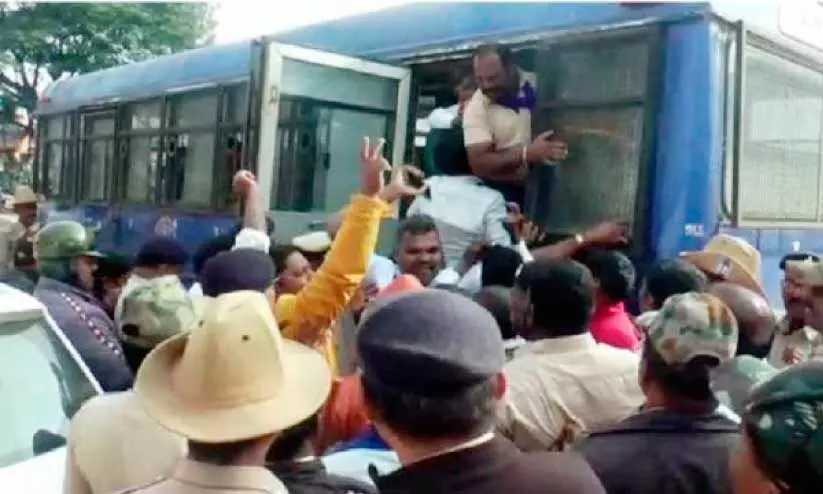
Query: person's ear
column 500, row 385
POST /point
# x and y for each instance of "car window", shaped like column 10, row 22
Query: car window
column 41, row 387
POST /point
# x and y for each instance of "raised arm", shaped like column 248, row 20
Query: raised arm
column 606, row 233
column 253, row 235
column 306, row 316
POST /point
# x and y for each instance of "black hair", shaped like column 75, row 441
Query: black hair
column 561, row 293
column 222, row 454
column 211, row 248
column 112, row 266
column 460, row 414
column 672, row 277
column 294, row 441
column 449, row 151
column 160, row 250
column 496, row 300
column 798, row 256
column 614, row 271
column 279, row 255
column 500, row 265
column 416, row 224
column 690, row 381
column 501, row 51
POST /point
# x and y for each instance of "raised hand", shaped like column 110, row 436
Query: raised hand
column 608, row 232
column 399, row 186
column 372, row 167
column 242, row 182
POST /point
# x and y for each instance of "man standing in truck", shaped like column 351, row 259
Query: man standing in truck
column 497, row 125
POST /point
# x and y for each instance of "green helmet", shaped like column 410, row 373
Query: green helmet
column 784, row 416
column 57, row 244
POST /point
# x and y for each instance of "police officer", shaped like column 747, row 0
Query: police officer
column 782, row 448
column 17, row 264
column 66, row 267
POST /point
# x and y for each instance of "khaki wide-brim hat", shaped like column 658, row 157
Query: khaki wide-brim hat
column 24, row 195
column 730, row 258
column 233, row 377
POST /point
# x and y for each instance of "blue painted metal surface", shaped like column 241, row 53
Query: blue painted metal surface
column 212, row 64
column 683, row 191
column 123, row 229
column 404, row 31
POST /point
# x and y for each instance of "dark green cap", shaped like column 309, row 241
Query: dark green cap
column 785, row 416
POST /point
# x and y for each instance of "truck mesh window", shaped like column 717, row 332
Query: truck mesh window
column 780, row 166
column 593, row 94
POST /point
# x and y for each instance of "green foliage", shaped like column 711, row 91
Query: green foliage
column 39, row 40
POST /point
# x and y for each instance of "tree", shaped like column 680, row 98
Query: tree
column 47, row 41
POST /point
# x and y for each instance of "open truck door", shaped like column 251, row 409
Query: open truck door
column 315, row 108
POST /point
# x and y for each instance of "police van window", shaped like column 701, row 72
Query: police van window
column 235, row 104
column 323, row 110
column 187, row 172
column 231, row 142
column 34, row 418
column 782, row 140
column 143, row 150
column 97, row 148
column 594, row 94
column 53, row 145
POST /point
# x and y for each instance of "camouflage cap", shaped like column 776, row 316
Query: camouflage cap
column 785, row 416
column 691, row 325
column 156, row 310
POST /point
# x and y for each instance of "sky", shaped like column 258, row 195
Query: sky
column 246, row 19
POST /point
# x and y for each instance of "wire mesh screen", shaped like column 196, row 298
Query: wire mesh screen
column 602, row 71
column 594, row 97
column 599, row 179
column 781, row 160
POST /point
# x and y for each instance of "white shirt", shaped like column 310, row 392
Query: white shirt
column 388, row 271
column 465, row 211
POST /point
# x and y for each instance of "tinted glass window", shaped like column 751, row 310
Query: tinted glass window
column 41, row 387
column 594, row 93
column 780, row 165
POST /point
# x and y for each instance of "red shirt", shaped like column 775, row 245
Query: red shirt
column 612, row 325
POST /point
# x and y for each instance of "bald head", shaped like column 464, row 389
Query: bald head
column 755, row 318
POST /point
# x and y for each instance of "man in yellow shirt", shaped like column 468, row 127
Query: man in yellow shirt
column 308, row 315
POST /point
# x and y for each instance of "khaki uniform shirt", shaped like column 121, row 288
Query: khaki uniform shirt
column 807, row 341
column 114, row 445
column 485, row 121
column 10, row 233
column 191, row 477
column 560, row 388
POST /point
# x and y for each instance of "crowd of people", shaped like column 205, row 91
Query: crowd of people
column 472, row 360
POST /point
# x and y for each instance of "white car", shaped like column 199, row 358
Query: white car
column 42, row 383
